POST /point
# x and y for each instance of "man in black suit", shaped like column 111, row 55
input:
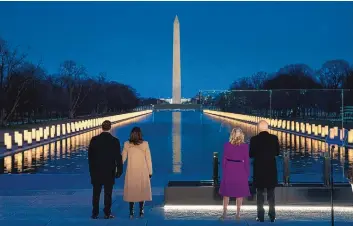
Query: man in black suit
column 105, row 163
column 264, row 148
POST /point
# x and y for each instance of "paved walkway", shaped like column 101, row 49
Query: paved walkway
column 52, row 200
column 65, row 207
column 73, row 208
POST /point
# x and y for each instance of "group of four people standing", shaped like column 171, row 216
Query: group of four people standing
column 106, row 164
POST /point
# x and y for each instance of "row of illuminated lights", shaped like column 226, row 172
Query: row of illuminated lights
column 48, row 150
column 66, row 145
column 300, row 127
column 300, row 208
column 312, row 144
column 44, row 152
column 41, row 134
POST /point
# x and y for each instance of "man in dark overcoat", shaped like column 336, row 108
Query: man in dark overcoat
column 105, row 164
column 264, row 148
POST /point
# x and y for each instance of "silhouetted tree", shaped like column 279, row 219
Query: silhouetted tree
column 28, row 93
column 296, row 76
column 348, row 84
column 348, row 80
column 332, row 73
column 73, row 78
column 296, row 90
column 241, row 84
column 257, row 80
column 153, row 101
column 15, row 76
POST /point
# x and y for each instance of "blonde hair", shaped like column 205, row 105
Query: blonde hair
column 236, row 137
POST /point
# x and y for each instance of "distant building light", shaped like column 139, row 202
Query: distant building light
column 170, row 100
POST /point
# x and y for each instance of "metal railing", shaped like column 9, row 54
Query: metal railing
column 215, row 169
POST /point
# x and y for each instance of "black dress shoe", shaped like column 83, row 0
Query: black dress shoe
column 131, row 210
column 142, row 212
column 94, row 217
column 272, row 219
column 109, row 216
column 260, row 220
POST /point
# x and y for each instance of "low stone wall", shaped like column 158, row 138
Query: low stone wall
column 302, row 195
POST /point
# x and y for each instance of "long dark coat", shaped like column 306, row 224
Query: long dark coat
column 104, row 159
column 264, row 147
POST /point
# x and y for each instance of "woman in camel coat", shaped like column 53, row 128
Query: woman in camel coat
column 137, row 187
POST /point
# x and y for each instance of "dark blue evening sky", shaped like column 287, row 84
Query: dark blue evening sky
column 220, row 41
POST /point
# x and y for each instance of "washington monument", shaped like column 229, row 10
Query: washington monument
column 176, row 63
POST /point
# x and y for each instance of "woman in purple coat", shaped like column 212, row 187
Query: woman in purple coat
column 235, row 166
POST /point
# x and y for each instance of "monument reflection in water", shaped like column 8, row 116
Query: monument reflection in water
column 62, row 156
column 176, row 137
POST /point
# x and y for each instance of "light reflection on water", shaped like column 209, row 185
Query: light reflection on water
column 181, row 144
column 176, row 137
column 56, row 157
column 306, row 154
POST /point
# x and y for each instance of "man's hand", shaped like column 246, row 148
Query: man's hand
column 118, row 175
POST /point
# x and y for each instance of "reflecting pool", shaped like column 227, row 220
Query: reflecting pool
column 182, row 146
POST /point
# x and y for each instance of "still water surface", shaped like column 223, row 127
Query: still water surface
column 182, row 146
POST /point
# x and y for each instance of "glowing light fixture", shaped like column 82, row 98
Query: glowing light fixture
column 254, row 208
